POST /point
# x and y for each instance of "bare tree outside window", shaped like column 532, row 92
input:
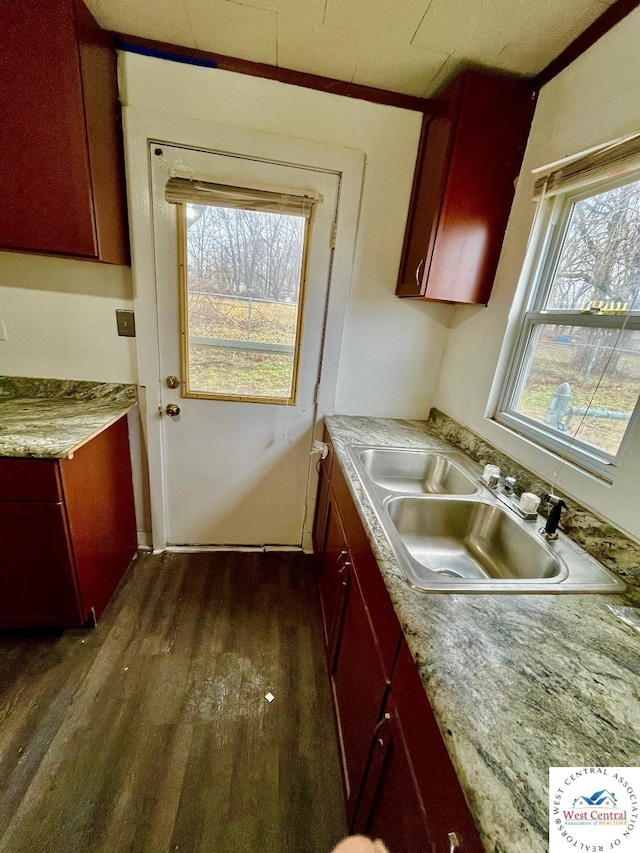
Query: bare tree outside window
column 600, row 256
column 243, row 291
column 578, row 371
column 239, row 252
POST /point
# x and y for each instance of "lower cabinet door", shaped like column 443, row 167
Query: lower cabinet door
column 37, row 574
column 391, row 806
column 449, row 820
column 332, row 571
column 359, row 687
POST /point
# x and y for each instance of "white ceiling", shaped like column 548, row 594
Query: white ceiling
column 410, row 46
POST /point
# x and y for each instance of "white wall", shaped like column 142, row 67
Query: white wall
column 60, row 314
column 594, row 100
column 61, row 324
column 392, row 348
column 60, row 319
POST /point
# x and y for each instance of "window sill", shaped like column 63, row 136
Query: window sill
column 558, row 452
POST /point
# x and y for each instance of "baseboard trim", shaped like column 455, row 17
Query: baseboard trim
column 194, row 549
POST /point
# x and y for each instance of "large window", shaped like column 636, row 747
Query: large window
column 574, row 383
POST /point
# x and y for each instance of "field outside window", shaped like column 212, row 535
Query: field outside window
column 242, row 295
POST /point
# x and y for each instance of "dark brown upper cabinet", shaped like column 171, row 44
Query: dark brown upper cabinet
column 61, row 175
column 469, row 157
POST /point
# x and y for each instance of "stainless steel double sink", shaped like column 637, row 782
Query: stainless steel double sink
column 450, row 533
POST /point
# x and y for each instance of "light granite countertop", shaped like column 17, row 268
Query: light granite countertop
column 518, row 683
column 52, row 418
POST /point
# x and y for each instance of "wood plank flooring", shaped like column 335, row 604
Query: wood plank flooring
column 151, row 733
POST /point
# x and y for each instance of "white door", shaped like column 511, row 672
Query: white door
column 237, row 457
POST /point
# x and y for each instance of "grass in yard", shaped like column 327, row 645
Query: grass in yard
column 246, row 374
column 235, row 371
column 554, row 363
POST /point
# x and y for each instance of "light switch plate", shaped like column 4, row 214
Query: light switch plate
column 126, row 323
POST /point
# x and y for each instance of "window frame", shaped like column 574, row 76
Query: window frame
column 551, row 224
column 183, row 283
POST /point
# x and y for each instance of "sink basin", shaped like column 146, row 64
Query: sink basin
column 470, row 539
column 450, row 533
column 415, row 472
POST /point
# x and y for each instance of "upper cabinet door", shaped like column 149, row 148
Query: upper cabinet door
column 60, row 162
column 468, row 160
column 429, row 185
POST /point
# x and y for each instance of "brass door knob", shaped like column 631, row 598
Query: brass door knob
column 172, row 382
column 172, row 410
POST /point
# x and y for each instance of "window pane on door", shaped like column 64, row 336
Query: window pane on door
column 242, row 293
column 582, row 381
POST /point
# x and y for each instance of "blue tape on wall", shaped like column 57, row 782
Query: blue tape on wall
column 121, row 44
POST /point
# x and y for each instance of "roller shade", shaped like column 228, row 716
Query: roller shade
column 609, row 160
column 187, row 190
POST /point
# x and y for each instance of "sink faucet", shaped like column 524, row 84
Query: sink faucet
column 492, row 478
column 506, row 485
column 550, row 531
column 505, row 492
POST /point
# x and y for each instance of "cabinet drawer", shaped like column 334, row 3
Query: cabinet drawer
column 30, row 480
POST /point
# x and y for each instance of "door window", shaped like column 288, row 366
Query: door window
column 242, row 276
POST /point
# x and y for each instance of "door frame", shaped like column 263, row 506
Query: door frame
column 142, row 127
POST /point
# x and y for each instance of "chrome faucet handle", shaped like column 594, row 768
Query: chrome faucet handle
column 507, row 485
column 510, row 484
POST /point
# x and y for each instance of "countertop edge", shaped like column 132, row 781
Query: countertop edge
column 111, row 422
column 52, row 419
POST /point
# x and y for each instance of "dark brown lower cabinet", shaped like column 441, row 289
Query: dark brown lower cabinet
column 399, row 783
column 67, row 532
column 36, row 584
column 390, row 805
column 448, row 816
column 334, row 565
column 359, row 687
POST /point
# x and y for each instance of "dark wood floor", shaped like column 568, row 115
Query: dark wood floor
column 152, row 733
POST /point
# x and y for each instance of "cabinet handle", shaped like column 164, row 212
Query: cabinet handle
column 341, row 555
column 454, row 844
column 382, row 742
column 382, row 722
column 377, row 731
column 418, row 272
column 343, row 567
